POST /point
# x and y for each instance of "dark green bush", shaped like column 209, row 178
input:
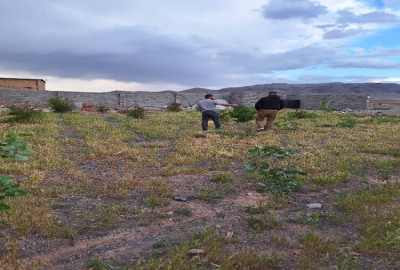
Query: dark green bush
column 136, row 113
column 174, row 107
column 60, row 105
column 243, row 114
column 24, row 113
column 103, row 109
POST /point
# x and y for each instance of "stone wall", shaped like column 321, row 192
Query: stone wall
column 126, row 99
column 23, row 84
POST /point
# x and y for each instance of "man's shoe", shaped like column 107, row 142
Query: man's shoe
column 260, row 129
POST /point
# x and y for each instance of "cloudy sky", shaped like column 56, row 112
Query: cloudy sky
column 156, row 45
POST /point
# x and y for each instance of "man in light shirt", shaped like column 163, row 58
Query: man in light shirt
column 208, row 107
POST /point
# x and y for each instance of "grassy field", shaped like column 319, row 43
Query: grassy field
column 101, row 188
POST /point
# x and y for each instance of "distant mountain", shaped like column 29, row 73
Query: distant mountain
column 375, row 90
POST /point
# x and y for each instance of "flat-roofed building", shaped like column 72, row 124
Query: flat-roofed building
column 23, row 84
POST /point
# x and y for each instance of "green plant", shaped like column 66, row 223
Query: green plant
column 348, row 122
column 103, row 108
column 24, row 113
column 97, row 263
column 260, row 208
column 222, row 177
column 257, row 224
column 8, row 189
column 287, row 125
column 301, row 114
column 276, row 180
column 174, row 107
column 243, row 113
column 14, row 147
column 224, row 115
column 60, row 105
column 326, row 107
column 136, row 113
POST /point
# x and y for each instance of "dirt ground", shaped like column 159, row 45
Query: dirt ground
column 136, row 236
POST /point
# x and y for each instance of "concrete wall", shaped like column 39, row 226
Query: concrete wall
column 341, row 102
column 34, row 84
column 126, row 99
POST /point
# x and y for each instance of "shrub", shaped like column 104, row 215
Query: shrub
column 301, row 114
column 24, row 113
column 103, row 108
column 174, row 107
column 136, row 113
column 276, row 180
column 224, row 115
column 60, row 105
column 243, row 114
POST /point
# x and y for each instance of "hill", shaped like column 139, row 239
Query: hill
column 376, row 90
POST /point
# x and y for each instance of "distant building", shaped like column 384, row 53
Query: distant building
column 23, row 84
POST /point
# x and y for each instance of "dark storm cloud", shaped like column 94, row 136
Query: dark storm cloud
column 125, row 54
column 300, row 9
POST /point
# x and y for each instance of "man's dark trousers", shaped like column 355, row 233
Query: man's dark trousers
column 207, row 115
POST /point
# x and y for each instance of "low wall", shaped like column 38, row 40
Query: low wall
column 340, row 102
column 126, row 99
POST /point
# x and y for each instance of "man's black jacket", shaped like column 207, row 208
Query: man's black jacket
column 270, row 102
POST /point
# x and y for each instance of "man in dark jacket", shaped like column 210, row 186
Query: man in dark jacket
column 268, row 107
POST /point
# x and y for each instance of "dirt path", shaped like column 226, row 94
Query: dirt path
column 124, row 244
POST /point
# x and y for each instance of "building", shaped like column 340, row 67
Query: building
column 23, row 84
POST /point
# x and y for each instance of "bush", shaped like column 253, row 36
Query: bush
column 224, row 115
column 103, row 108
column 60, row 105
column 24, row 113
column 174, row 107
column 136, row 113
column 243, row 114
column 301, row 114
column 279, row 181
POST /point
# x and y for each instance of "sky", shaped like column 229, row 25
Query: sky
column 157, row 45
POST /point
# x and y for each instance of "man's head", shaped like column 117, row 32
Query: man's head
column 208, row 96
column 272, row 93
